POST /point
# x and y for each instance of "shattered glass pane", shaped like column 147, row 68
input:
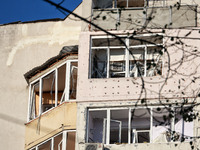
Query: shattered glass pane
column 102, row 4
column 48, row 92
column 96, row 126
column 99, row 63
column 140, row 125
column 146, row 40
column 117, row 63
column 73, row 80
column 61, row 83
column 108, row 42
column 154, row 62
column 34, row 108
column 136, row 63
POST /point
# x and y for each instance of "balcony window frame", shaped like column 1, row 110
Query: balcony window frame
column 66, row 92
column 127, row 53
column 64, row 138
column 106, row 137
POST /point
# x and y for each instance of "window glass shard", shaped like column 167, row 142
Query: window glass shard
column 48, row 92
column 73, row 80
column 140, row 125
column 34, row 102
column 96, row 126
column 61, row 83
column 117, row 63
column 99, row 63
column 119, row 126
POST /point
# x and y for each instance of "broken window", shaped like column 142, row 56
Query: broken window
column 162, row 126
column 129, row 3
column 153, row 61
column 53, row 88
column 99, row 63
column 117, row 3
column 96, row 122
column 119, row 126
column 183, row 124
column 102, row 4
column 126, row 57
column 34, row 101
column 117, row 63
column 48, row 92
column 61, row 141
column 140, row 125
column 61, row 83
column 73, row 80
column 157, row 3
column 97, row 4
column 136, row 62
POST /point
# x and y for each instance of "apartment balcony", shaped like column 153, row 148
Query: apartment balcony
column 49, row 124
column 129, row 18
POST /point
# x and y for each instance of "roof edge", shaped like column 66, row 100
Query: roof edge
column 65, row 51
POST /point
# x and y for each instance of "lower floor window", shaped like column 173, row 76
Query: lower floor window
column 141, row 125
column 61, row 141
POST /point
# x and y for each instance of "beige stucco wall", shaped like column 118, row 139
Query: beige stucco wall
column 23, row 47
column 180, row 60
column 50, row 123
column 181, row 17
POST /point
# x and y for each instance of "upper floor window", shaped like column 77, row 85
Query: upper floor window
column 53, row 88
column 117, row 3
column 128, row 57
column 97, row 4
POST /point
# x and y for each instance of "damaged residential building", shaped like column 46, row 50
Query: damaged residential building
column 126, row 79
column 140, row 90
column 52, row 106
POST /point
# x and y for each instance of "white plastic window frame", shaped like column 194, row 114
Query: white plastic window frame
column 105, row 127
column 66, row 90
column 127, row 53
column 108, row 119
column 64, row 140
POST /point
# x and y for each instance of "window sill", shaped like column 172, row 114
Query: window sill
column 124, row 78
column 148, row 143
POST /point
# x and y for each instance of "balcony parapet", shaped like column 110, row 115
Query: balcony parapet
column 145, row 17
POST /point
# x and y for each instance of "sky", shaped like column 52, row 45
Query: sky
column 30, row 10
